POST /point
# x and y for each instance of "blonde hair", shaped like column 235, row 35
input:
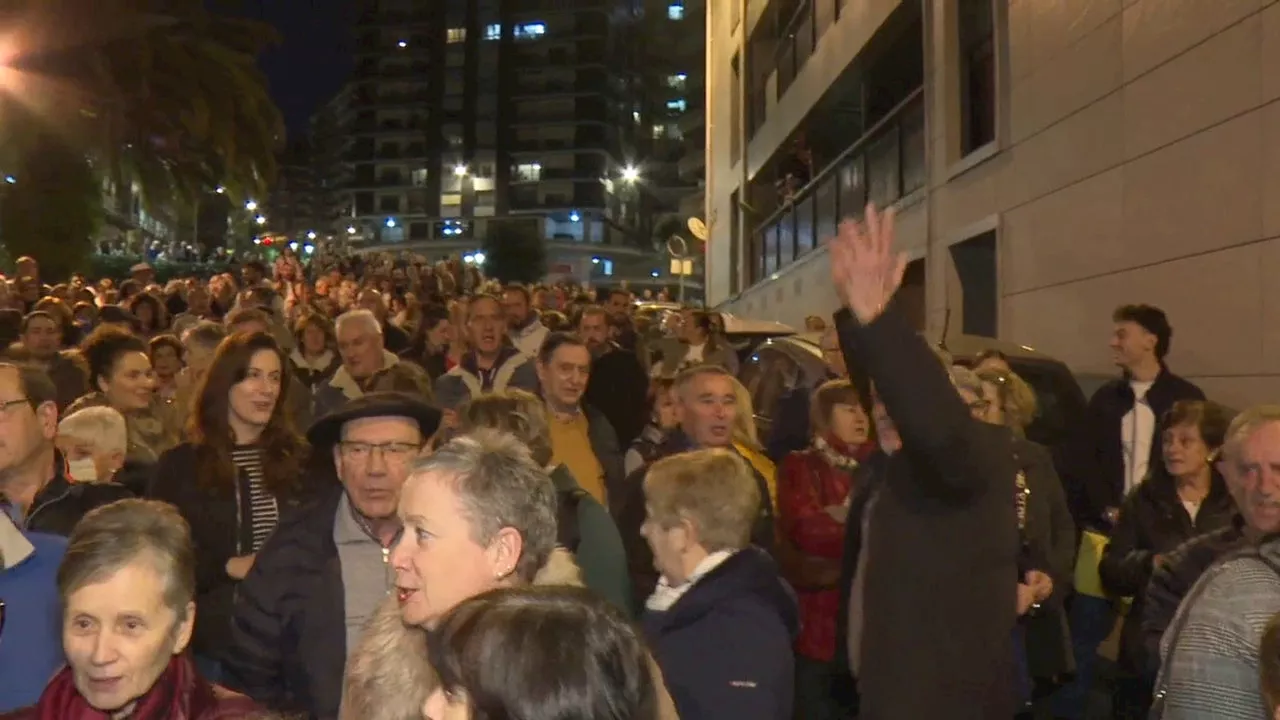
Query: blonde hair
column 103, row 428
column 1017, row 399
column 744, row 418
column 518, row 412
column 715, row 490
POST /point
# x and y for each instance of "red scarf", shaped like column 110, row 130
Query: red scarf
column 179, row 694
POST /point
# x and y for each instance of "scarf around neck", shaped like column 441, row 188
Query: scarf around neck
column 664, row 596
column 178, row 694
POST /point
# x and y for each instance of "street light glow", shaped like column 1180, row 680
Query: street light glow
column 479, row 258
column 251, row 205
column 403, row 44
column 391, row 222
column 261, row 220
column 351, row 229
column 220, row 190
column 311, row 235
column 460, row 170
column 631, row 173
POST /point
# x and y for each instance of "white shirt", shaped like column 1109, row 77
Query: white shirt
column 1137, row 431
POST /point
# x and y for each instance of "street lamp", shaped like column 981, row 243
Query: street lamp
column 220, row 190
column 261, row 220
column 630, row 173
column 311, row 235
column 391, row 222
column 351, row 229
column 251, row 205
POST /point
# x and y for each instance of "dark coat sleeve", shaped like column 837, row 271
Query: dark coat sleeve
column 928, row 412
column 1089, row 488
column 789, row 431
column 1060, row 547
column 1126, row 567
column 253, row 663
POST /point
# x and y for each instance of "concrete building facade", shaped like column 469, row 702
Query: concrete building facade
column 1075, row 155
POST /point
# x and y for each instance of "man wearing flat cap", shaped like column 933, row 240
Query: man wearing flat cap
column 325, row 570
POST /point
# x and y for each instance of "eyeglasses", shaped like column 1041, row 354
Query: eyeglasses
column 392, row 452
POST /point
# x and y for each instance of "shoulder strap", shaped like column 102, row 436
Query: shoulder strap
column 1184, row 613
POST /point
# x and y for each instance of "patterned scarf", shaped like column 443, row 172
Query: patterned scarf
column 839, row 455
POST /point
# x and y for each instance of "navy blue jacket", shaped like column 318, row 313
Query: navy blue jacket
column 725, row 646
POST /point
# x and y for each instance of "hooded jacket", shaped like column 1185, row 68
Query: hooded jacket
column 389, row 676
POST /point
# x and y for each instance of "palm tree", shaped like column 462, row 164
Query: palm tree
column 158, row 95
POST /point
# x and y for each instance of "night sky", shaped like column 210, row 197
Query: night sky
column 314, row 58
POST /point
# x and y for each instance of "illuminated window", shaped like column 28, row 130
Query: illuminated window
column 659, row 131
column 456, row 35
column 529, row 171
column 677, row 81
column 450, row 199
column 528, row 31
column 493, row 32
column 635, row 115
column 678, row 105
column 675, row 11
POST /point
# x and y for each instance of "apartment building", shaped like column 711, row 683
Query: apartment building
column 1050, row 161
column 463, row 113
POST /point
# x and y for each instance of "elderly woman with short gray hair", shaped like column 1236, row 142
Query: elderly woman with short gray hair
column 479, row 513
column 127, row 585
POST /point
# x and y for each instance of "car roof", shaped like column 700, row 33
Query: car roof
column 736, row 325
column 963, row 346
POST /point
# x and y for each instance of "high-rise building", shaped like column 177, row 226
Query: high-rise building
column 1050, row 162
column 673, row 52
column 464, row 113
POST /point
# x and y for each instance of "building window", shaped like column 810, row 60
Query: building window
column 493, row 32
column 456, row 35
column 529, row 31
column 977, row 74
column 677, row 81
column 678, row 105
column 975, row 263
column 675, row 11
column 659, row 132
column 529, row 171
column 418, row 177
column 450, row 199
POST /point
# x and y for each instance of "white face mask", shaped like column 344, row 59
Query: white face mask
column 83, row 470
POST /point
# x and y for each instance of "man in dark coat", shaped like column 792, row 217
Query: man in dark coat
column 931, row 549
column 324, row 571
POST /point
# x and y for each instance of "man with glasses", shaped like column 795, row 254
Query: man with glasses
column 324, row 571
column 35, row 491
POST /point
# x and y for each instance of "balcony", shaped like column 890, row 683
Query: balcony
column 883, row 166
column 411, row 152
column 373, row 69
column 392, row 18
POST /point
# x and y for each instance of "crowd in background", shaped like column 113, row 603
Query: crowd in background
column 377, row 487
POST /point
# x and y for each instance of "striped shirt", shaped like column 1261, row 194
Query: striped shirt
column 1210, row 671
column 264, row 512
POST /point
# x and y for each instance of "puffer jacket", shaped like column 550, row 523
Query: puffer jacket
column 389, row 677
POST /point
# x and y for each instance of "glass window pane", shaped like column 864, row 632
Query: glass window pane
column 770, row 251
column 882, row 168
column 804, row 227
column 853, row 188
column 786, row 239
column 826, row 209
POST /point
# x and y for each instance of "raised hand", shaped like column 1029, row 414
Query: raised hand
column 864, row 267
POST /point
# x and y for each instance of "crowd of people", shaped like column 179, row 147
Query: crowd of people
column 379, row 488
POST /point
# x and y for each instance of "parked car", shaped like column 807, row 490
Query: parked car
column 780, row 364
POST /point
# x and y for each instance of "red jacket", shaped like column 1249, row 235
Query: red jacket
column 808, row 483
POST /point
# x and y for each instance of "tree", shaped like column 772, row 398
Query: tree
column 157, row 95
column 514, row 252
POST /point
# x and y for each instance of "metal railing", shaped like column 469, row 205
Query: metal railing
column 884, row 165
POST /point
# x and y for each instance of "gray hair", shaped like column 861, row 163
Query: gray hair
column 1245, row 425
column 111, row 537
column 359, row 317
column 499, row 486
column 103, row 427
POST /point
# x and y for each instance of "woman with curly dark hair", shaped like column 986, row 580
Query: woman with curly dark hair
column 238, row 472
column 150, row 312
column 121, row 377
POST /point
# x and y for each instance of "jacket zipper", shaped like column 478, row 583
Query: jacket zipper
column 31, row 515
